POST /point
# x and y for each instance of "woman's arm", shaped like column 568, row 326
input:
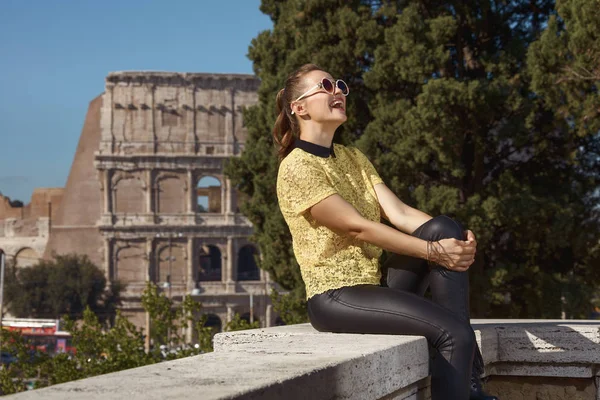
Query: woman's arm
column 340, row 216
column 402, row 216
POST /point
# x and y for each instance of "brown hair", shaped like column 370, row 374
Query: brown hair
column 286, row 127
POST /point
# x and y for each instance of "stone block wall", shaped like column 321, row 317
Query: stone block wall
column 74, row 228
column 24, row 231
column 44, row 204
column 524, row 360
column 542, row 388
column 174, row 113
column 8, row 211
column 131, row 200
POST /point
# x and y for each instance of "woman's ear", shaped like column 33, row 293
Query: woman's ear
column 298, row 108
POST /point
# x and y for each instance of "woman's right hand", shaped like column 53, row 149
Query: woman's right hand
column 453, row 254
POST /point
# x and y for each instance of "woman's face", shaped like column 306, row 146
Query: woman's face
column 320, row 106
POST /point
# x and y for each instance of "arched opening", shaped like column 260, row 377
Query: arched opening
column 130, row 263
column 213, row 321
column 209, row 264
column 208, row 194
column 129, row 196
column 246, row 317
column 26, row 257
column 247, row 270
column 170, row 195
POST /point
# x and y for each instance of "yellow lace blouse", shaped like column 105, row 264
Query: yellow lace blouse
column 309, row 174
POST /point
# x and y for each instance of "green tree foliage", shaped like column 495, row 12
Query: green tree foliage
column 338, row 36
column 101, row 350
column 98, row 351
column 169, row 322
column 237, row 323
column 467, row 109
column 65, row 285
column 16, row 203
column 565, row 72
column 565, row 66
column 458, row 130
column 290, row 310
column 15, row 349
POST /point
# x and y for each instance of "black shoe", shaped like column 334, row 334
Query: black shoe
column 477, row 392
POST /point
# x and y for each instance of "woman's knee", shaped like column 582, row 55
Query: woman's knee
column 465, row 337
column 440, row 227
column 460, row 338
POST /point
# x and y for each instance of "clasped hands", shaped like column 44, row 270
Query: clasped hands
column 454, row 254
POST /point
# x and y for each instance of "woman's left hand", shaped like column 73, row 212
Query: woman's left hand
column 471, row 239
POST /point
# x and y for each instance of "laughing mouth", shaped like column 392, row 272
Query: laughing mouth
column 339, row 104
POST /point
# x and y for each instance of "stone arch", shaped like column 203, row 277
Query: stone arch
column 128, row 193
column 171, row 264
column 213, row 321
column 26, row 257
column 130, row 262
column 247, row 270
column 209, row 266
column 246, row 317
column 208, row 194
column 124, row 175
column 170, row 194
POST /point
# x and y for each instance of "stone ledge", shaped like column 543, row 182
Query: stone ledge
column 297, row 362
column 544, row 348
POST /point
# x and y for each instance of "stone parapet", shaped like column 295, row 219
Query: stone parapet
column 525, row 359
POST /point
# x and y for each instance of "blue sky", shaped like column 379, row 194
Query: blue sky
column 56, row 53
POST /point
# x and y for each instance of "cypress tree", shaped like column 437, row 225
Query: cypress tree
column 339, row 37
column 458, row 130
column 564, row 65
column 461, row 115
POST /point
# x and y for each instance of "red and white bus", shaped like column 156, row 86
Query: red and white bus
column 43, row 334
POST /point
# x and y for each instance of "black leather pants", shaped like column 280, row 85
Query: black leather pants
column 401, row 309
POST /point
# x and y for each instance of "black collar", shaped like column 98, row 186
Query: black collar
column 315, row 149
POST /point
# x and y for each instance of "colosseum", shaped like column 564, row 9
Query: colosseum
column 147, row 200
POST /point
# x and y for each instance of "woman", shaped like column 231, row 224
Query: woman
column 332, row 200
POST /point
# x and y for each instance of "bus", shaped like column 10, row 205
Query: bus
column 43, row 335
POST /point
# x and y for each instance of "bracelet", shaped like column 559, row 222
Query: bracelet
column 428, row 252
column 431, row 251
